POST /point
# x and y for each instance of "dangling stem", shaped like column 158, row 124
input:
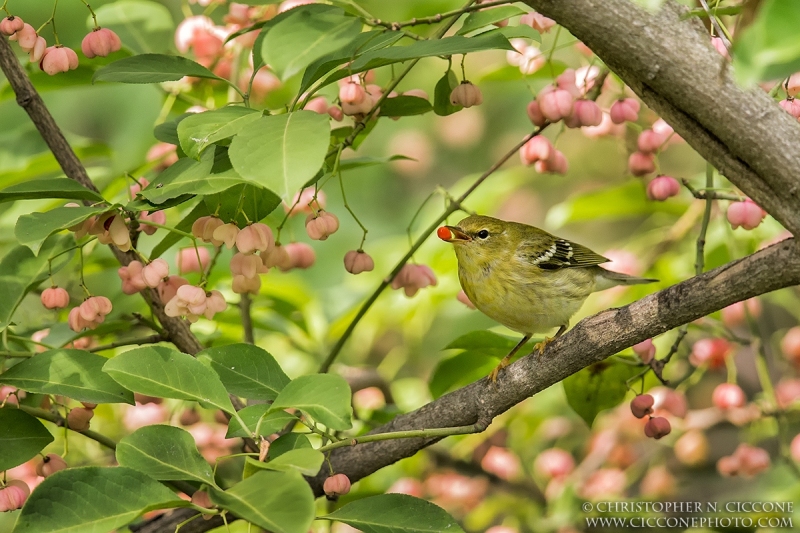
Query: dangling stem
column 94, row 16
column 337, row 171
column 52, row 20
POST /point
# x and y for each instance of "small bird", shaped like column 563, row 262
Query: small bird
column 525, row 278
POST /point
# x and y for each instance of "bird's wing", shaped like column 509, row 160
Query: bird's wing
column 558, row 253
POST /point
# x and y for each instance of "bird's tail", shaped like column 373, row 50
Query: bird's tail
column 607, row 279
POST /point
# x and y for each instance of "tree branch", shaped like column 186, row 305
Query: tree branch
column 671, row 64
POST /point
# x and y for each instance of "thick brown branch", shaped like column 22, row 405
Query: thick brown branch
column 28, row 98
column 672, row 66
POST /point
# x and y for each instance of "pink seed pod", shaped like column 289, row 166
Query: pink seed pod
column 202, row 499
column 215, row 303
column 336, row 485
column 89, row 310
column 352, row 94
column 790, row 345
column 159, row 217
column 557, row 164
column 357, row 261
column 587, row 113
column 226, row 234
column 642, row 405
column 645, row 350
column 25, row 37
column 554, row 463
column 304, row 201
column 78, row 419
column 555, row 104
column 466, row 95
column 657, row 427
column 419, row 93
column 792, row 85
column 131, row 276
column 168, row 289
column 787, row 392
column 719, row 46
column 794, row 448
column 248, row 266
column 255, row 237
column 242, row 284
column 692, row 448
column 745, row 214
column 58, row 59
column 729, row 466
column 624, row 110
column 187, row 259
column 51, row 464
column 412, row 278
column 641, row 164
column 736, row 314
column 791, row 106
column 538, row 148
column 649, row 141
column 37, row 52
column 728, row 395
column 203, row 228
column 13, row 495
column 11, row 25
column 662, row 187
column 711, row 352
column 154, row 273
column 336, row 113
column 136, row 188
column 193, row 296
column 537, row 21
column 55, row 298
column 100, row 42
column 75, row 322
column 317, row 105
column 567, row 81
column 535, row 114
column 301, row 255
column 752, row 460
column 464, row 299
column 276, row 256
column 322, row 225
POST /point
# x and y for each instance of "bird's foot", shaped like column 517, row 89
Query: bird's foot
column 540, row 346
column 493, row 374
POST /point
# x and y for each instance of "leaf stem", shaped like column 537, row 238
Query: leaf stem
column 408, row 434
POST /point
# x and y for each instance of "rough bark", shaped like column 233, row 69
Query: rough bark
column 672, row 66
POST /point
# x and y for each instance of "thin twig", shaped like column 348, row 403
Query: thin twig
column 435, row 19
column 151, row 339
column 410, row 434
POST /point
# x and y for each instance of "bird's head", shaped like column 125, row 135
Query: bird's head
column 479, row 238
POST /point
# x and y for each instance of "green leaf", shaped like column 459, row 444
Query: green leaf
column 281, row 152
column 185, row 225
column 287, row 443
column 364, row 42
column 197, row 131
column 306, row 461
column 21, row 271
column 448, row 46
column 194, row 180
column 246, row 370
column 92, row 499
column 165, row 373
column 152, row 68
column 21, row 437
column 167, row 131
column 281, row 502
column 405, row 106
column 143, row 26
column 484, row 341
column 182, row 177
column 769, row 49
column 257, row 419
column 254, row 201
column 369, row 161
column 326, row 397
column 462, row 369
column 303, row 37
column 37, row 189
column 395, row 513
column 479, row 19
column 621, row 202
column 598, row 387
column 32, row 230
column 76, row 374
column 164, row 453
column 441, row 95
column 520, row 31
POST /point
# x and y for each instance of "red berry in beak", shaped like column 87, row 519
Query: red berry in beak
column 444, row 233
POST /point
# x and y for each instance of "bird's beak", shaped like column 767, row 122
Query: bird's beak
column 453, row 234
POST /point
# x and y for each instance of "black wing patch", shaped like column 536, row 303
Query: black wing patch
column 564, row 254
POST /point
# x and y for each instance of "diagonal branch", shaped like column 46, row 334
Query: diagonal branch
column 671, row 64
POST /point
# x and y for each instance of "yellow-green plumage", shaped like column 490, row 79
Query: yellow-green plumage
column 525, row 278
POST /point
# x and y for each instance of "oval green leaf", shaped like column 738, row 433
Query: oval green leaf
column 160, row 371
column 92, row 499
column 395, row 513
column 306, row 461
column 21, row 437
column 480, row 19
column 31, row 230
column 281, row 152
column 48, row 188
column 277, row 501
column 598, row 387
column 151, row 68
column 246, row 370
column 325, row 397
column 197, row 131
column 76, row 374
column 164, row 453
column 257, row 419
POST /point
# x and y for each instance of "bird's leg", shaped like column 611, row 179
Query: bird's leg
column 507, row 359
column 540, row 346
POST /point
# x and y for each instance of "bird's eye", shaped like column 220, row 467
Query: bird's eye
column 483, row 234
